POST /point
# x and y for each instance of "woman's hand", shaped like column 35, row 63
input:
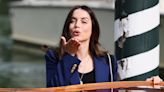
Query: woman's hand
column 71, row 46
column 155, row 79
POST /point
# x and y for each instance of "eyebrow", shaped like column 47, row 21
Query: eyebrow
column 81, row 18
column 85, row 18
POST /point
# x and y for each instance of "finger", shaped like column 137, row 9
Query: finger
column 149, row 79
column 72, row 41
column 77, row 42
column 156, row 80
column 159, row 78
column 63, row 40
column 157, row 86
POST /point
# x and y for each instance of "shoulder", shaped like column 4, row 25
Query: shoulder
column 111, row 58
column 51, row 55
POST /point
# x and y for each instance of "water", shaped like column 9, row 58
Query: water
column 23, row 70
column 20, row 66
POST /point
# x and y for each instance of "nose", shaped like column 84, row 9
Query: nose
column 77, row 24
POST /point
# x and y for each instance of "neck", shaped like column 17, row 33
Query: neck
column 83, row 53
column 83, row 50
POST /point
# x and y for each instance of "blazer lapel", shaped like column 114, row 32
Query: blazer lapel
column 101, row 69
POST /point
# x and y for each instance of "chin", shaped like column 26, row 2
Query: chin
column 77, row 37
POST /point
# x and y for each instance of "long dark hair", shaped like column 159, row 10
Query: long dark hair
column 94, row 45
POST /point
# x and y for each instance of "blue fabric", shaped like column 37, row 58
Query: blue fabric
column 58, row 72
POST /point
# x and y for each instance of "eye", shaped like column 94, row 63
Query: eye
column 84, row 21
column 72, row 20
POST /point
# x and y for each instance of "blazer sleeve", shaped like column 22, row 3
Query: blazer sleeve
column 51, row 69
column 61, row 72
column 68, row 66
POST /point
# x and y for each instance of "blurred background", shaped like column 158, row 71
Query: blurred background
column 25, row 25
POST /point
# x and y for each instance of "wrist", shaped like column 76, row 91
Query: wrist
column 72, row 54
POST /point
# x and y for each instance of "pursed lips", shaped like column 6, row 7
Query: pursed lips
column 76, row 33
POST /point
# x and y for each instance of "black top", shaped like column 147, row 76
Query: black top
column 88, row 77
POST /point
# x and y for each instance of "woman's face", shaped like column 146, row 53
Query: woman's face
column 81, row 25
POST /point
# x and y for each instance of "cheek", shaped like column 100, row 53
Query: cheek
column 88, row 31
column 70, row 27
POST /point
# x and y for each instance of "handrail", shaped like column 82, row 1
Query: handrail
column 107, row 85
column 80, row 87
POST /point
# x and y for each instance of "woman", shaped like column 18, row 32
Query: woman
column 80, row 58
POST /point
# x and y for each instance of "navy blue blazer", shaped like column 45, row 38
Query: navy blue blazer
column 58, row 72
